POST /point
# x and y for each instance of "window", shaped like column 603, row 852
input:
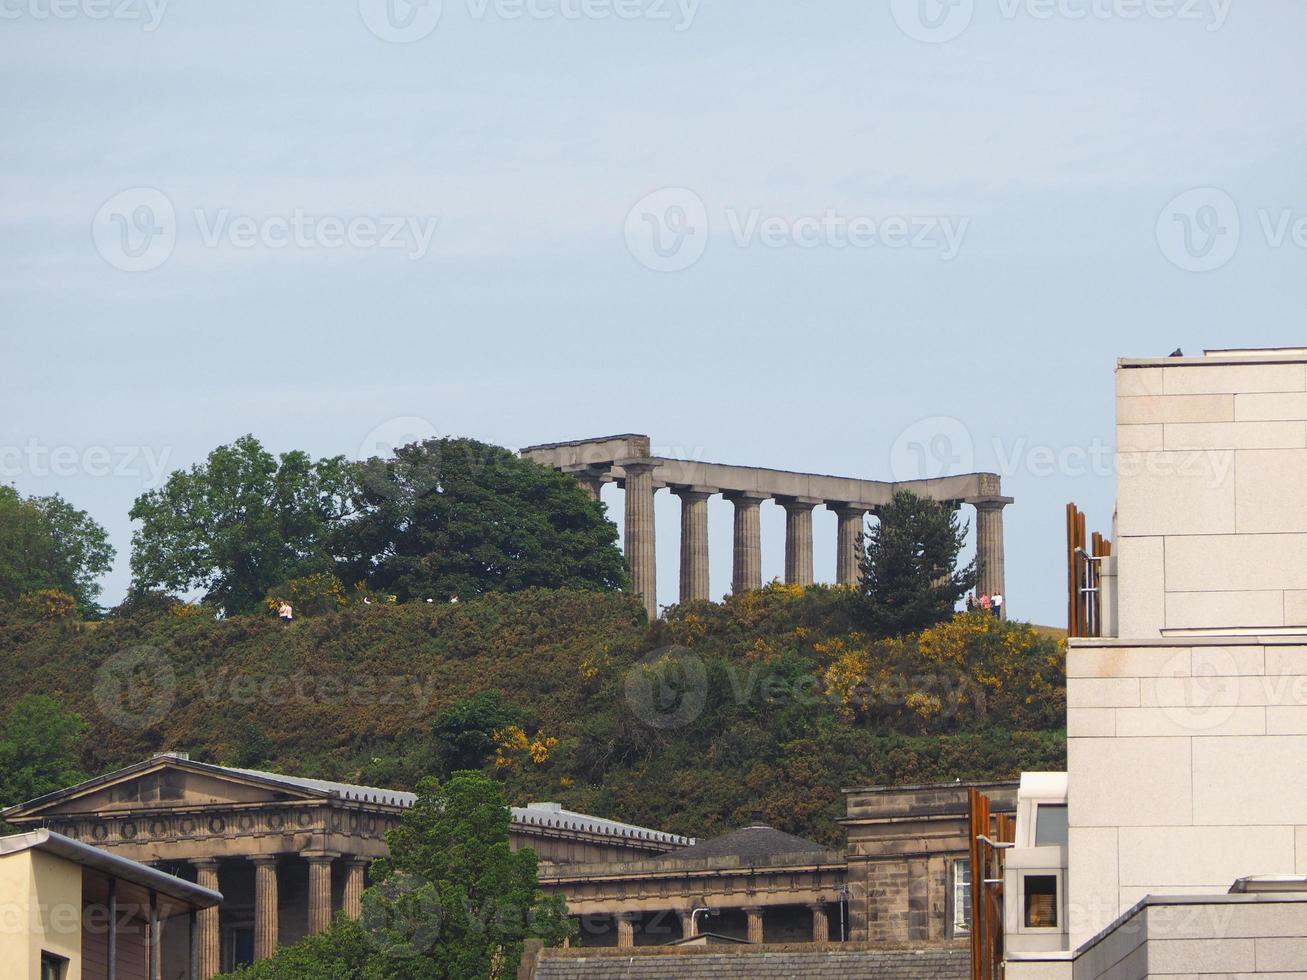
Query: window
column 1050, row 824
column 961, row 896
column 1041, row 901
column 52, row 967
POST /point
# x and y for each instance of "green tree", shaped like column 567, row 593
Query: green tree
column 463, row 731
column 38, row 749
column 47, row 543
column 240, row 523
column 452, row 517
column 452, row 902
column 910, row 578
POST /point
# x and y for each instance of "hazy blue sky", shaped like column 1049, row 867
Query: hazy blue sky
column 982, row 192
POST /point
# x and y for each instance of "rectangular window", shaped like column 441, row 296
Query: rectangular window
column 52, row 967
column 961, row 896
column 1041, row 901
column 1050, row 824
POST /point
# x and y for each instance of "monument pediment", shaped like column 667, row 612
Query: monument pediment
column 164, row 782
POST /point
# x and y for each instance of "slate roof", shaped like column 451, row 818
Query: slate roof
column 752, row 842
column 545, row 816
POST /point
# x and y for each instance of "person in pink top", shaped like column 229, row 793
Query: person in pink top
column 985, row 603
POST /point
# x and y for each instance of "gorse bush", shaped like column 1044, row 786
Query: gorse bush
column 771, row 700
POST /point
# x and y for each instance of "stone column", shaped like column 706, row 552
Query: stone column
column 820, row 923
column 592, row 485
column 206, row 876
column 639, row 531
column 355, row 869
column 694, row 542
column 989, row 539
column 755, row 923
column 848, row 544
column 746, row 573
column 265, row 906
column 798, row 539
column 319, row 892
column 626, row 930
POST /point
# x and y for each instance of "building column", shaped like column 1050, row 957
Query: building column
column 265, row 906
column 820, row 923
column 848, row 545
column 355, row 870
column 626, row 930
column 755, row 923
column 639, row 531
column 798, row 539
column 746, row 574
column 989, row 544
column 206, row 876
column 319, row 892
column 694, row 542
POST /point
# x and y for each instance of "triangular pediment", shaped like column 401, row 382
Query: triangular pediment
column 161, row 783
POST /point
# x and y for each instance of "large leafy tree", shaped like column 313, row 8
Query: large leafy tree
column 452, row 517
column 241, row 523
column 910, row 575
column 453, row 901
column 47, row 543
column 38, row 749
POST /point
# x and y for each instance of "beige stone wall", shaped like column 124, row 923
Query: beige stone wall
column 1186, row 761
column 1211, row 469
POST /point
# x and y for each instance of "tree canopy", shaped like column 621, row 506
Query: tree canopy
column 47, row 543
column 910, row 579
column 451, row 517
column 453, row 901
column 241, row 523
column 38, row 749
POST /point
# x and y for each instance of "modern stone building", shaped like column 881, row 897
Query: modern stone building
column 1184, row 804
column 628, row 461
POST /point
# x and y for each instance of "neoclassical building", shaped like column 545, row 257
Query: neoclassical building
column 287, row 853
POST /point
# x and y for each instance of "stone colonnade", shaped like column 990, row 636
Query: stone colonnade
column 641, row 481
column 267, row 909
column 628, row 461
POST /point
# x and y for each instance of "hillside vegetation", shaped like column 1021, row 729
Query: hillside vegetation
column 770, row 701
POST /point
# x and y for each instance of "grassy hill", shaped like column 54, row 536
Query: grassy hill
column 772, row 700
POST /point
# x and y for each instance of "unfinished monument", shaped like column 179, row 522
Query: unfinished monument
column 627, row 461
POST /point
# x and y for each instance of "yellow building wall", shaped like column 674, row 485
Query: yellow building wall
column 40, row 911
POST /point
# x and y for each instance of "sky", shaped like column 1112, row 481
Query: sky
column 883, row 239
